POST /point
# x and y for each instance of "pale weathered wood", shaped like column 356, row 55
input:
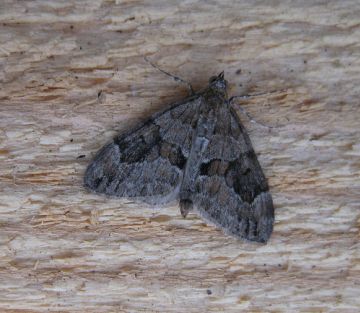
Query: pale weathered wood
column 72, row 75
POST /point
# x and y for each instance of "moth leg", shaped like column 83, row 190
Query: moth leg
column 186, row 206
column 250, row 118
column 176, row 78
column 243, row 111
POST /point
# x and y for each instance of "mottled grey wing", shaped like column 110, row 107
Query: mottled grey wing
column 148, row 161
column 231, row 190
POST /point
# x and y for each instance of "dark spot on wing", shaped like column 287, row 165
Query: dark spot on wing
column 135, row 148
column 244, row 175
column 214, row 167
column 173, row 153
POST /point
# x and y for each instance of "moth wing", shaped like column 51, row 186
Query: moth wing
column 231, row 190
column 147, row 162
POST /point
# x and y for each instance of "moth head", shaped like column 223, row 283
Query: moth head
column 218, row 82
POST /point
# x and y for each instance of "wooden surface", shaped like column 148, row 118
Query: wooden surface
column 73, row 74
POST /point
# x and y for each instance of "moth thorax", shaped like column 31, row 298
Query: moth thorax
column 218, row 83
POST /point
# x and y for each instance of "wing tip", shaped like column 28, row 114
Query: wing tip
column 97, row 171
column 252, row 222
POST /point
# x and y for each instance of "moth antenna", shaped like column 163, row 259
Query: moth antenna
column 176, row 78
column 251, row 119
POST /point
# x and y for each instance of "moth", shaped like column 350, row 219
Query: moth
column 196, row 151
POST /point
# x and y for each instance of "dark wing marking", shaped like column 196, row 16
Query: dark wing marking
column 148, row 161
column 231, row 190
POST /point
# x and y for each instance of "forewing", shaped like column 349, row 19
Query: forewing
column 148, row 161
column 231, row 190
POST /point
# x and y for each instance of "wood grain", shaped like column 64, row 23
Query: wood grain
column 73, row 74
